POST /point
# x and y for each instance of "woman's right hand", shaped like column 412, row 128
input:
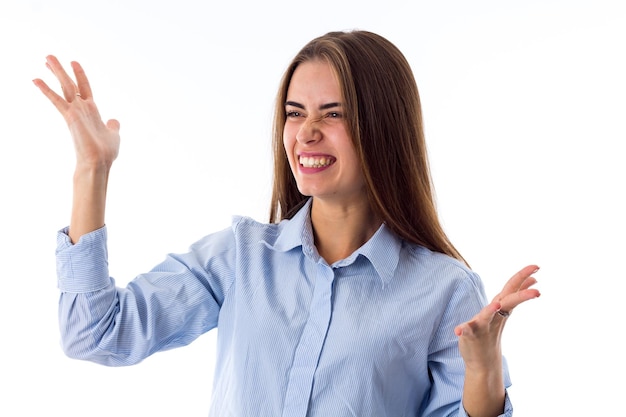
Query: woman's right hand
column 96, row 143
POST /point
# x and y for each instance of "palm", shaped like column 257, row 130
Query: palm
column 96, row 143
column 479, row 338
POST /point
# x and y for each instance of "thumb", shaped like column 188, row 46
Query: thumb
column 113, row 124
column 461, row 329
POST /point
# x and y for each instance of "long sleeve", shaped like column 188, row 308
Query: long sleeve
column 168, row 307
column 446, row 365
column 370, row 335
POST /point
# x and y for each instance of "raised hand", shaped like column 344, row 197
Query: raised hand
column 96, row 143
column 480, row 345
column 479, row 338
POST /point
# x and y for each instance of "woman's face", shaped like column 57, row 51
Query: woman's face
column 319, row 148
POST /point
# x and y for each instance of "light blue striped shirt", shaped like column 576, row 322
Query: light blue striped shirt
column 370, row 335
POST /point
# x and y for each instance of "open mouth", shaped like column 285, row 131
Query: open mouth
column 316, row 161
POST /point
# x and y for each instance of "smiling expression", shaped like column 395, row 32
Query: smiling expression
column 316, row 139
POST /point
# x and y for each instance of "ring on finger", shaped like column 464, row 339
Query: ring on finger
column 504, row 314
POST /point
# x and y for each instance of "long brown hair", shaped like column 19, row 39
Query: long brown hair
column 384, row 119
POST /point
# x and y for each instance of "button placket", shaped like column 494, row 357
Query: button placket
column 310, row 345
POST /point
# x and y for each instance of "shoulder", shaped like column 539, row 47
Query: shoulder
column 246, row 229
column 439, row 267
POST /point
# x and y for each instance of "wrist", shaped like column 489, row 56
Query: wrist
column 94, row 170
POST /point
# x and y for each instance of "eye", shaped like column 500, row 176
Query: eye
column 293, row 113
column 333, row 115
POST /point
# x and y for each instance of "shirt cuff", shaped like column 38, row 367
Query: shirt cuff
column 82, row 267
column 508, row 408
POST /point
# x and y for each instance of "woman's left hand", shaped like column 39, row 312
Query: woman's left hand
column 480, row 338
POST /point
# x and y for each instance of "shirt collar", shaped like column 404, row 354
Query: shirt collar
column 383, row 252
column 294, row 232
column 382, row 249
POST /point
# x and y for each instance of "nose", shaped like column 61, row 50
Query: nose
column 309, row 131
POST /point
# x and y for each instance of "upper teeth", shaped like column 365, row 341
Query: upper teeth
column 315, row 162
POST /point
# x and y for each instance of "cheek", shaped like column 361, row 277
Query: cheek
column 289, row 140
column 288, row 146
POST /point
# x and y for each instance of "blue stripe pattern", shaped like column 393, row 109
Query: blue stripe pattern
column 370, row 335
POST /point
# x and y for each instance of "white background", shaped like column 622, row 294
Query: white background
column 524, row 105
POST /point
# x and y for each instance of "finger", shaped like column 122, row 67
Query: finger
column 513, row 300
column 67, row 84
column 56, row 99
column 480, row 320
column 113, row 124
column 516, row 282
column 460, row 330
column 488, row 312
column 528, row 282
column 84, row 89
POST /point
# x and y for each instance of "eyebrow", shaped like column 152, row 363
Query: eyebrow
column 322, row 107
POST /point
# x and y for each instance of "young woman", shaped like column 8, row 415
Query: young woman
column 351, row 301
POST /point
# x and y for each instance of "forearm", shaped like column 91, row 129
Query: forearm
column 484, row 392
column 89, row 201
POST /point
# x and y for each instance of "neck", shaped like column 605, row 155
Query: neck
column 340, row 229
